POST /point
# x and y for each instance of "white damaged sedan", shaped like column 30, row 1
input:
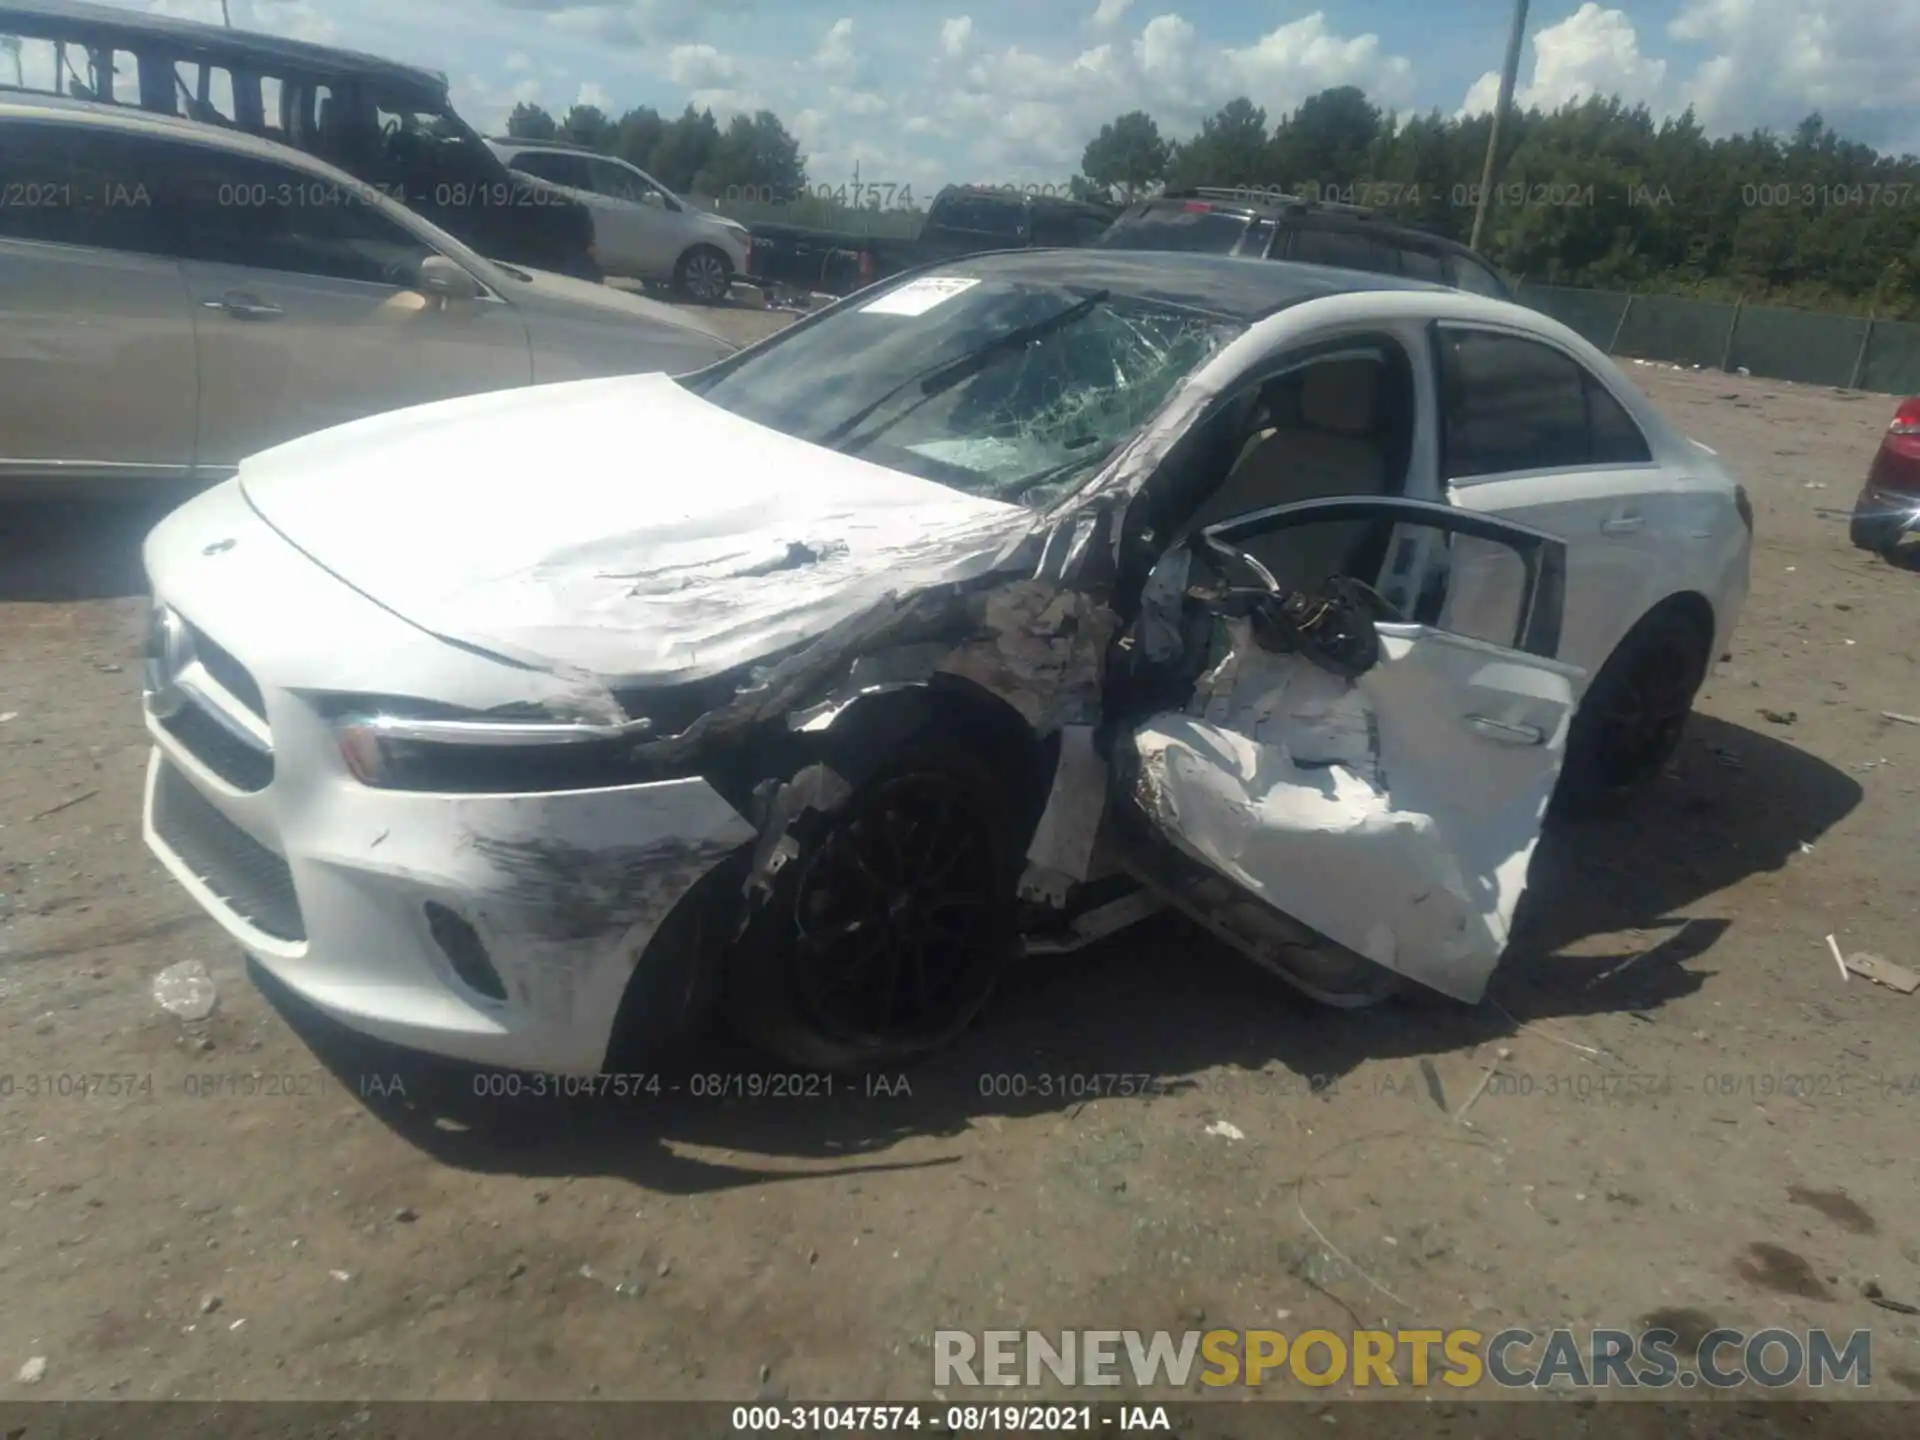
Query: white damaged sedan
column 979, row 615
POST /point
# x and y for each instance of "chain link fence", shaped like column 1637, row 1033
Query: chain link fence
column 1812, row 347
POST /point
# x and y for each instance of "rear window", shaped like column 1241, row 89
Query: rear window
column 1423, row 265
column 1344, row 249
column 1201, row 229
column 1475, row 278
column 978, row 212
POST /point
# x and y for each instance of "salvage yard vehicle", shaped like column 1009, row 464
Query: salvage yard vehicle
column 224, row 294
column 1266, row 224
column 1888, row 508
column 984, row 612
column 391, row 126
column 641, row 229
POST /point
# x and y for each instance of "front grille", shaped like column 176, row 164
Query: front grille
column 233, row 759
column 248, row 878
column 229, row 672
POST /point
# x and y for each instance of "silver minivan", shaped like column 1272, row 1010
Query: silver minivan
column 175, row 297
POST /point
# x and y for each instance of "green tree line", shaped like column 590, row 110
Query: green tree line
column 1596, row 193
column 690, row 153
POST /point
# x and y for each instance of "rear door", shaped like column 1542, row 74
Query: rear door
column 652, row 226
column 96, row 329
column 306, row 307
column 1529, row 433
column 1392, row 815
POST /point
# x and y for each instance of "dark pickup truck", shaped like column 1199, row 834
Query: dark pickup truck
column 962, row 220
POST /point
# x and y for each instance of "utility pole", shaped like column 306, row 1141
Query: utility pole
column 1507, row 77
column 225, row 14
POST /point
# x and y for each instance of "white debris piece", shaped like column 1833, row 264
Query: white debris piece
column 34, row 1371
column 1226, row 1131
column 185, row 991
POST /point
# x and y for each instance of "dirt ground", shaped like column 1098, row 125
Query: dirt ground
column 1698, row 1118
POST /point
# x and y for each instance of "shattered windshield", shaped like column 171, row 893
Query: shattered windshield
column 1007, row 390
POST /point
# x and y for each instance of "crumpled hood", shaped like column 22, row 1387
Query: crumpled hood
column 623, row 529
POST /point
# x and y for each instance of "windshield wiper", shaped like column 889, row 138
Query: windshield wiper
column 949, row 373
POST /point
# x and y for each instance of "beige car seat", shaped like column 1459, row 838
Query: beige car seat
column 1324, row 441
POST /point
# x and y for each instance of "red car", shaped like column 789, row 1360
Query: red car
column 1889, row 503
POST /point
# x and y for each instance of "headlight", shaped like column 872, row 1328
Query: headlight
column 392, row 743
column 395, row 753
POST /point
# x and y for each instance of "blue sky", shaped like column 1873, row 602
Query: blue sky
column 1008, row 91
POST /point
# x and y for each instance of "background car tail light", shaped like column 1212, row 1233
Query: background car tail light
column 1897, row 465
column 866, row 267
column 1744, row 506
column 1197, row 207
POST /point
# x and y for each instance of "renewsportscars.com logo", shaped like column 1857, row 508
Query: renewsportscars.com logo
column 1509, row 1359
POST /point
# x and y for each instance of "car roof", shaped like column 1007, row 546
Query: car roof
column 1021, row 197
column 520, row 142
column 1254, row 206
column 78, row 21
column 1229, row 286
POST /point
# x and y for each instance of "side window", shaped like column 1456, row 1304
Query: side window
column 983, row 214
column 1512, row 404
column 1430, row 573
column 206, row 93
column 273, row 106
column 615, row 181
column 1089, row 228
column 73, row 186
column 234, row 210
column 569, row 170
column 1346, row 249
column 1259, row 235
column 1422, row 265
column 1474, row 278
column 1617, row 440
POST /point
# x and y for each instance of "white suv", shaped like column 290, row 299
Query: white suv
column 643, row 231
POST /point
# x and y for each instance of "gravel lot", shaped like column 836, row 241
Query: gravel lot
column 1700, row 1120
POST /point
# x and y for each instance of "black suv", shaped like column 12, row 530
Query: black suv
column 1310, row 232
column 967, row 219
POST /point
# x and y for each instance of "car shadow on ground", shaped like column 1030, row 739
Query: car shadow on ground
column 1136, row 1017
column 56, row 549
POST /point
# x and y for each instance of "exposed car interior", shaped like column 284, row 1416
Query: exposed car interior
column 1339, row 426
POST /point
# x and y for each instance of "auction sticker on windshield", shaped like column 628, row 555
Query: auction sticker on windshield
column 916, row 297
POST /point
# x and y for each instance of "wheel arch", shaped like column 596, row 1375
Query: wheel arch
column 862, row 732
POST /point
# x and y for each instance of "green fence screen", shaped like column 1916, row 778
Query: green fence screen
column 1808, row 346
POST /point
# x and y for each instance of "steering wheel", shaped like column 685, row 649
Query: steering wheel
column 1333, row 629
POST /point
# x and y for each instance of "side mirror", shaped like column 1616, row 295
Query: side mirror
column 442, row 277
column 655, row 199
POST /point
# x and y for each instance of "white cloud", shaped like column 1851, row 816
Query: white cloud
column 1286, row 65
column 593, row 93
column 1109, row 13
column 1776, row 62
column 1769, row 63
column 955, row 35
column 1592, row 52
column 836, row 58
column 518, row 62
column 701, row 67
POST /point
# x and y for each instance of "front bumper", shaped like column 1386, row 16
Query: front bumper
column 1881, row 517
column 371, row 905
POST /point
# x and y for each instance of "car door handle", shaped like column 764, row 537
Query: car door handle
column 1506, row 734
column 1623, row 525
column 244, row 307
